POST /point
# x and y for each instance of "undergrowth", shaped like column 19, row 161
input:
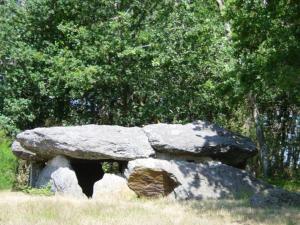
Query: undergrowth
column 8, row 163
column 45, row 191
column 287, row 184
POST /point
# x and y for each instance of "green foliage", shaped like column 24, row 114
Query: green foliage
column 138, row 62
column 111, row 167
column 265, row 37
column 44, row 191
column 267, row 62
column 127, row 63
column 8, row 163
column 288, row 184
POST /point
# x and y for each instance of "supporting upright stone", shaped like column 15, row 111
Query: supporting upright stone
column 59, row 174
column 111, row 184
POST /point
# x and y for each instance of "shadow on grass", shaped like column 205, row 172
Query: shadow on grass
column 245, row 214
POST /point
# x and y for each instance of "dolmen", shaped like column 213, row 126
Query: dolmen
column 197, row 160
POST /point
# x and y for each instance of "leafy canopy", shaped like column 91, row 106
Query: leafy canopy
column 113, row 62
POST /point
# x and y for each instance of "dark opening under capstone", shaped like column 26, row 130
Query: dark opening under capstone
column 88, row 172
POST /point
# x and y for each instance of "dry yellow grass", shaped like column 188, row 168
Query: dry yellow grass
column 22, row 209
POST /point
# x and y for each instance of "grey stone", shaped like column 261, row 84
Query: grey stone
column 23, row 153
column 275, row 197
column 64, row 181
column 200, row 139
column 211, row 180
column 110, row 184
column 60, row 176
column 88, row 142
column 35, row 170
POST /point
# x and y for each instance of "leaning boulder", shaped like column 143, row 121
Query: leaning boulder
column 60, row 176
column 193, row 141
column 183, row 180
column 87, row 142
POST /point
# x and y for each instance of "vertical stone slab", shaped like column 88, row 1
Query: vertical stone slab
column 59, row 174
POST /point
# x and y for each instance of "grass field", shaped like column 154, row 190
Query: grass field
column 20, row 209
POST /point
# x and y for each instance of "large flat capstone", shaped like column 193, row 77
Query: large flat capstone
column 87, row 142
column 199, row 139
column 23, row 153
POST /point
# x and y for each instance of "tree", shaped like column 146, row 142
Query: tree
column 266, row 39
column 127, row 63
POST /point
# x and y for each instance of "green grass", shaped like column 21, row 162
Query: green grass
column 46, row 191
column 287, row 184
column 21, row 209
column 8, row 164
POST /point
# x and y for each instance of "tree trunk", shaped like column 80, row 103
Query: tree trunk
column 283, row 135
column 263, row 148
column 221, row 4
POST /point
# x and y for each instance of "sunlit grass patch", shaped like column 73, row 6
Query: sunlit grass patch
column 22, row 209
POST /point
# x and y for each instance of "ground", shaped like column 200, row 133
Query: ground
column 22, row 209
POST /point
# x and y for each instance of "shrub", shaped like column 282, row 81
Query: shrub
column 44, row 191
column 288, row 184
column 8, row 163
column 22, row 175
column 111, row 167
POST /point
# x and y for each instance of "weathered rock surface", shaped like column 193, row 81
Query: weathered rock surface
column 64, row 181
column 199, row 139
column 170, row 175
column 152, row 182
column 110, row 184
column 22, row 153
column 59, row 174
column 275, row 197
column 87, row 142
column 212, row 180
